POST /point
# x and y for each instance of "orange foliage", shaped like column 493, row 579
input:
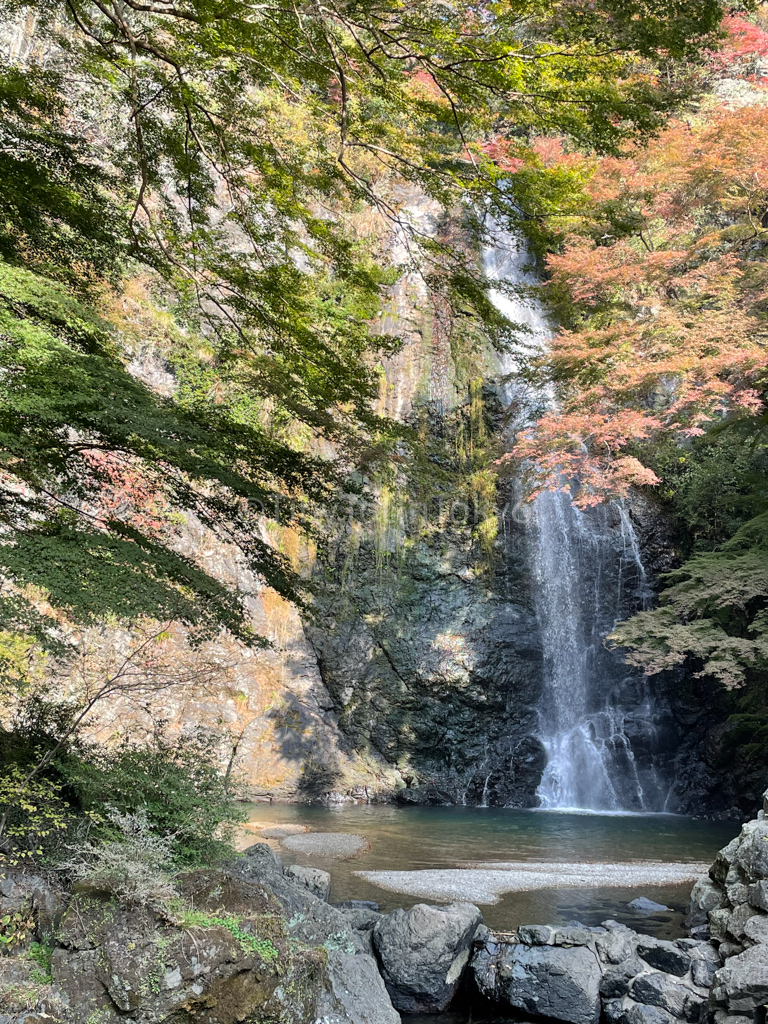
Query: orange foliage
column 745, row 44
column 126, row 492
column 665, row 279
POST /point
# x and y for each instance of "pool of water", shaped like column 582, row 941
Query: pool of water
column 415, row 838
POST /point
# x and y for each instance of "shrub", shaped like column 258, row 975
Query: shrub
column 177, row 783
column 134, row 866
column 33, row 816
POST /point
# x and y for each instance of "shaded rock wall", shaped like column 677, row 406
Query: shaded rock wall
column 421, row 673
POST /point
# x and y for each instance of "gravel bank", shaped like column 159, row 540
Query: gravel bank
column 486, row 884
column 338, row 845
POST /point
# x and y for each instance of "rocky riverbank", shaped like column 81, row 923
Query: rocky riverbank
column 255, row 941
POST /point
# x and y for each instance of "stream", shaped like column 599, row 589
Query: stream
column 424, row 838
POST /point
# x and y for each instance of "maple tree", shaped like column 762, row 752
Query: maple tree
column 656, row 272
column 660, row 289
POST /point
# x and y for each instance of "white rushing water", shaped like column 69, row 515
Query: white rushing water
column 587, row 571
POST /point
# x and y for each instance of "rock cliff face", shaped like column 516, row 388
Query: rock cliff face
column 434, row 662
column 420, row 675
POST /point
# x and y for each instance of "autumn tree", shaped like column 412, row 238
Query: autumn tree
column 225, row 148
column 658, row 278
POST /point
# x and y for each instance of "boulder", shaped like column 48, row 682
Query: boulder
column 727, row 949
column 756, row 928
column 317, row 881
column 723, row 1017
column 719, row 870
column 663, row 955
column 355, row 993
column 705, row 960
column 664, row 991
column 718, row 923
column 25, row 892
column 561, row 983
column 643, row 1013
column 114, row 962
column 645, row 906
column 617, row 979
column 738, row 920
column 309, row 919
column 423, row 953
column 752, row 854
column 741, row 986
column 757, row 894
column 705, row 897
column 616, row 944
column 362, row 922
column 258, row 861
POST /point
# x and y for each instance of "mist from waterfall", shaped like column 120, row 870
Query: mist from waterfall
column 594, row 715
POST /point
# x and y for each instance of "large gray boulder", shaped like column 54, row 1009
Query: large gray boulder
column 616, row 943
column 741, row 986
column 309, row 919
column 627, row 1011
column 557, row 982
column 705, row 897
column 423, row 953
column 354, row 993
column 664, row 956
column 316, row 880
column 752, row 854
column 658, row 989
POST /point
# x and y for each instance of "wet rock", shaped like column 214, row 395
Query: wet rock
column 741, row 986
column 561, row 983
column 645, row 906
column 661, row 990
column 537, row 934
column 357, row 905
column 355, row 993
column 616, row 981
column 664, row 956
column 318, row 882
column 423, row 953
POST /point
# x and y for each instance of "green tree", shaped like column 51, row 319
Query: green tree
column 229, row 148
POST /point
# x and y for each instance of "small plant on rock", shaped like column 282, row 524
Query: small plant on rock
column 134, row 865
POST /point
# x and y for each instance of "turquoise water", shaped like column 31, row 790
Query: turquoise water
column 411, row 838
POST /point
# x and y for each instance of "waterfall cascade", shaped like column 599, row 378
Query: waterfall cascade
column 596, row 720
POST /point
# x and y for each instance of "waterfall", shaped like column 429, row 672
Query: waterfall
column 594, row 714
